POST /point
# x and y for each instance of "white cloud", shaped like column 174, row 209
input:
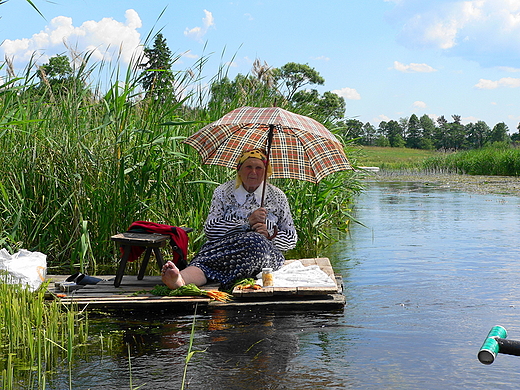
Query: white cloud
column 348, row 93
column 107, row 39
column 381, row 118
column 419, row 104
column 509, row 69
column 510, row 82
column 487, row 31
column 197, row 33
column 413, row 67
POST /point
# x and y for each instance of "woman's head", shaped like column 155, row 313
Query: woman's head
column 251, row 169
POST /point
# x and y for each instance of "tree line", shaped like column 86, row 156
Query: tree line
column 425, row 133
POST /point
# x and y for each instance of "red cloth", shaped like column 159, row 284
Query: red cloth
column 179, row 240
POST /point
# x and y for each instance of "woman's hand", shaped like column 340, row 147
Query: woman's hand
column 257, row 221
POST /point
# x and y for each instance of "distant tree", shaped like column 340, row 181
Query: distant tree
column 226, row 94
column 393, row 132
column 456, row 119
column 499, row 133
column 57, row 77
column 157, row 79
column 413, row 137
column 369, row 134
column 353, row 129
column 477, row 134
column 427, row 132
column 515, row 137
column 456, row 134
column 441, row 135
column 293, row 76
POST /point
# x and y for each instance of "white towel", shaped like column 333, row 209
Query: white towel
column 295, row 274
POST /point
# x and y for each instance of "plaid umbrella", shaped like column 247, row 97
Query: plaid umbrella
column 301, row 148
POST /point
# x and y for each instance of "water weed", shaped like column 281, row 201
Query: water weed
column 37, row 336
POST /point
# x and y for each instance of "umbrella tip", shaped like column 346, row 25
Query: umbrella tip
column 274, row 104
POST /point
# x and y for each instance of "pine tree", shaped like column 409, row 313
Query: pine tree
column 158, row 79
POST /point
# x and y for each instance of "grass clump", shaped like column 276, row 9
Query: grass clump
column 37, row 337
column 497, row 160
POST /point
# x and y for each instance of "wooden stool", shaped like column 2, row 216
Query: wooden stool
column 151, row 241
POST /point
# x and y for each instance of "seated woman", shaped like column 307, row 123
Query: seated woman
column 242, row 237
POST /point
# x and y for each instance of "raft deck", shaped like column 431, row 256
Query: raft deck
column 134, row 294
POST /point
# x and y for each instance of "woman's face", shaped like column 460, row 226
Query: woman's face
column 252, row 173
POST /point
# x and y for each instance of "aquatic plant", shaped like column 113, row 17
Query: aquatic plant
column 36, row 336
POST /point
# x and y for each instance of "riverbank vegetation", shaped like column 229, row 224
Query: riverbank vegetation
column 499, row 159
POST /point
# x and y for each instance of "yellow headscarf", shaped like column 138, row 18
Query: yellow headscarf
column 253, row 153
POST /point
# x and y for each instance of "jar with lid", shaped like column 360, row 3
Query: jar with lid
column 267, row 277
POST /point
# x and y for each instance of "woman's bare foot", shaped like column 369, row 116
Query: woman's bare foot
column 171, row 276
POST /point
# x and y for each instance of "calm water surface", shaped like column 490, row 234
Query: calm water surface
column 427, row 277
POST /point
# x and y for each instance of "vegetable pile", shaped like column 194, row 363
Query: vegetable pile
column 191, row 290
column 245, row 284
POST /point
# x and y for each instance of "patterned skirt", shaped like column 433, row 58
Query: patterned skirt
column 237, row 256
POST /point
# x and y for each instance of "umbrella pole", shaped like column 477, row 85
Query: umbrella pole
column 268, row 151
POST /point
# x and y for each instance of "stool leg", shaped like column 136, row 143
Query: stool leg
column 159, row 258
column 122, row 265
column 144, row 264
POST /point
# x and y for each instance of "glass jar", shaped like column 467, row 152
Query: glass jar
column 267, row 277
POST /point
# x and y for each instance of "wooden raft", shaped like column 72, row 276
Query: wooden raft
column 134, row 294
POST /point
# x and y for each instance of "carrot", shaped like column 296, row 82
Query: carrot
column 220, row 296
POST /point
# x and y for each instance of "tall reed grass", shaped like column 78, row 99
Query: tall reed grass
column 37, row 337
column 79, row 166
column 499, row 160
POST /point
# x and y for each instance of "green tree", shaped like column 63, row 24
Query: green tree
column 328, row 107
column 457, row 133
column 477, row 134
column 413, row 137
column 441, row 140
column 499, row 133
column 427, row 132
column 293, row 76
column 353, row 129
column 158, row 79
column 394, row 133
column 515, row 137
column 369, row 134
column 57, row 77
column 226, row 94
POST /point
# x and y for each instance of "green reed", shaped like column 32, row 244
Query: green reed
column 497, row 160
column 37, row 336
column 79, row 166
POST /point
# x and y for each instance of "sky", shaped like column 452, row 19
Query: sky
column 389, row 59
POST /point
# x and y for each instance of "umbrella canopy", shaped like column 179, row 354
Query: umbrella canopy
column 302, row 148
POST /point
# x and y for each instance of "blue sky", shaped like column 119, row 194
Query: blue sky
column 389, row 59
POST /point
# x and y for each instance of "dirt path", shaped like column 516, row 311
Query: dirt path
column 505, row 185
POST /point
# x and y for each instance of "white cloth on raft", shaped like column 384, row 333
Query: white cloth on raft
column 295, row 274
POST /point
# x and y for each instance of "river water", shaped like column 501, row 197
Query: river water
column 425, row 279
